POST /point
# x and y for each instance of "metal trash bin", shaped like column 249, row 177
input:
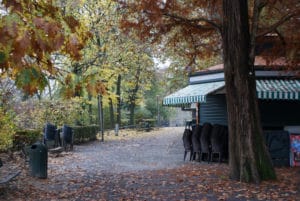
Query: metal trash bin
column 38, row 160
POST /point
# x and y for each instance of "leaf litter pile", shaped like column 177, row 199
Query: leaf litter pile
column 188, row 181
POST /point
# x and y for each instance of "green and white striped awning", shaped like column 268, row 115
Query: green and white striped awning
column 195, row 93
column 278, row 89
column 274, row 89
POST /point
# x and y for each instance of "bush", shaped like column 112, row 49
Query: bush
column 26, row 137
column 34, row 114
column 7, row 129
column 142, row 113
column 85, row 133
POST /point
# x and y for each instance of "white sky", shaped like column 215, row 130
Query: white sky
column 161, row 64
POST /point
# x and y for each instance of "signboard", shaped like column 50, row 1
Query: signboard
column 295, row 149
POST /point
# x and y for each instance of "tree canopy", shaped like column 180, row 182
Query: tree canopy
column 31, row 31
column 194, row 28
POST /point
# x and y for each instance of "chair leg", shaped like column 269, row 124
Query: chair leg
column 192, row 156
column 185, row 152
column 199, row 157
column 208, row 157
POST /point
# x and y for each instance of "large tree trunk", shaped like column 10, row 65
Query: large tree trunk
column 249, row 159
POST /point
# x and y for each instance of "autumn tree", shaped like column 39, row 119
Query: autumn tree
column 138, row 80
column 31, row 31
column 109, row 58
column 232, row 27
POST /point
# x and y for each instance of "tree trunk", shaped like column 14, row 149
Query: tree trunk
column 133, row 95
column 249, row 159
column 131, row 110
column 119, row 100
column 90, row 109
column 111, row 112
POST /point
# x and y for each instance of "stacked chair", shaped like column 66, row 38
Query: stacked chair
column 206, row 143
column 196, row 146
column 219, row 139
column 187, row 141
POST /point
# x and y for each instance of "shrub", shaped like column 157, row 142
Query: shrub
column 26, row 137
column 7, row 129
column 85, row 133
column 142, row 113
column 34, row 114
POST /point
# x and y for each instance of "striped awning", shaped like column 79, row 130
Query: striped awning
column 274, row 89
column 278, row 89
column 195, row 93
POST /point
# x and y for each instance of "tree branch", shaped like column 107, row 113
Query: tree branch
column 258, row 6
column 284, row 19
column 195, row 22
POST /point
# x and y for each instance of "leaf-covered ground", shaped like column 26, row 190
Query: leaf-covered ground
column 71, row 177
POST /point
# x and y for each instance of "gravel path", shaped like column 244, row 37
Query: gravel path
column 159, row 149
column 142, row 167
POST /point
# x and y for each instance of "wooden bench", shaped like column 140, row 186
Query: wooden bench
column 6, row 176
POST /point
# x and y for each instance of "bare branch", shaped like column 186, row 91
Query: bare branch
column 196, row 22
column 284, row 19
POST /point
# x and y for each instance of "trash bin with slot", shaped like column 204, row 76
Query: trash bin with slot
column 38, row 160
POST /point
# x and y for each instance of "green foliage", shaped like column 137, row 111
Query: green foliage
column 34, row 114
column 85, row 133
column 28, row 78
column 26, row 137
column 7, row 129
column 142, row 113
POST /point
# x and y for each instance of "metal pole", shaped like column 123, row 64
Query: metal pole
column 158, row 117
column 102, row 119
column 100, row 114
column 197, row 114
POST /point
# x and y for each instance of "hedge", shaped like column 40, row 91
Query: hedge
column 26, row 137
column 85, row 133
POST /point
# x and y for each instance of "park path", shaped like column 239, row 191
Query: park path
column 142, row 166
column 130, row 151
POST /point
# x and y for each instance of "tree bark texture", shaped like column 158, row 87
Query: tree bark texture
column 133, row 95
column 111, row 113
column 249, row 159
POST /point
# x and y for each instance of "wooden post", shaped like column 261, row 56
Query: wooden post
column 197, row 114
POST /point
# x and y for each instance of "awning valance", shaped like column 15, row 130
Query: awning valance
column 278, row 89
column 195, row 93
column 275, row 89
